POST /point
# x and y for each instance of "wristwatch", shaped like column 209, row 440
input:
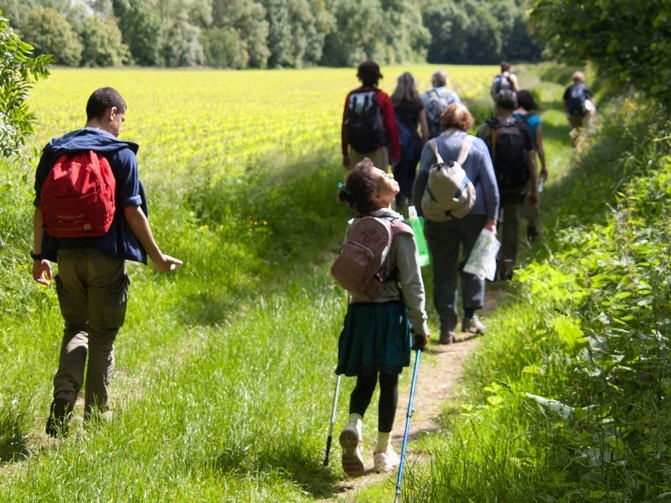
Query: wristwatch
column 35, row 256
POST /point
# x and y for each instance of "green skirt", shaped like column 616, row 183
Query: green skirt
column 375, row 337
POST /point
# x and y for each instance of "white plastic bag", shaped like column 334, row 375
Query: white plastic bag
column 482, row 260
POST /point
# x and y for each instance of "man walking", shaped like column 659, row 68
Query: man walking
column 92, row 284
column 512, row 151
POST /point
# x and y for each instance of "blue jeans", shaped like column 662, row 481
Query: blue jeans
column 445, row 240
column 92, row 292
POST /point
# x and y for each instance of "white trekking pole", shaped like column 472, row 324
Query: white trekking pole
column 333, row 413
column 407, row 425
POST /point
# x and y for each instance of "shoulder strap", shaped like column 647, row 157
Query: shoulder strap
column 465, row 148
column 493, row 123
column 434, row 147
column 399, row 226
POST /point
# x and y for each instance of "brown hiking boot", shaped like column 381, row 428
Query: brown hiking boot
column 447, row 337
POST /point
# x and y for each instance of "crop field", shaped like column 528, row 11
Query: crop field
column 208, row 120
column 225, row 367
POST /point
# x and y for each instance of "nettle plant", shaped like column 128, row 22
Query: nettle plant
column 603, row 301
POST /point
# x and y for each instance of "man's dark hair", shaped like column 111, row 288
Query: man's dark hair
column 369, row 73
column 103, row 99
column 505, row 66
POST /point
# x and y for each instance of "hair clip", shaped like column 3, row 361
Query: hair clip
column 342, row 187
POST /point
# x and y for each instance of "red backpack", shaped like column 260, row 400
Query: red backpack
column 77, row 197
column 359, row 267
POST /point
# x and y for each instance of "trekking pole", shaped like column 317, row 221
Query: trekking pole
column 333, row 413
column 407, row 425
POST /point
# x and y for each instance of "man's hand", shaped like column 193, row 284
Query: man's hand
column 166, row 263
column 533, row 199
column 42, row 272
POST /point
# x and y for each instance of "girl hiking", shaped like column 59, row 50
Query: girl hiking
column 375, row 342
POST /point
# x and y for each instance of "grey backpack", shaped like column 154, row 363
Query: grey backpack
column 449, row 193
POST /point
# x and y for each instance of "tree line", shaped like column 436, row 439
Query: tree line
column 241, row 34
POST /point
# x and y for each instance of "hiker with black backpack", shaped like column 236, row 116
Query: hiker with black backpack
column 579, row 105
column 369, row 124
column 92, row 283
column 376, row 340
column 448, row 231
column 512, row 151
column 438, row 99
column 410, row 118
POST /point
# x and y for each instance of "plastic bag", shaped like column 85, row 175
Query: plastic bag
column 482, row 260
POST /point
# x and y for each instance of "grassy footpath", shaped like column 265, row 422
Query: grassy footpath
column 224, row 380
column 224, row 375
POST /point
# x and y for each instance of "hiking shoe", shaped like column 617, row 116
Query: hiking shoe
column 352, row 447
column 386, row 461
column 447, row 337
column 473, row 325
column 59, row 416
column 532, row 232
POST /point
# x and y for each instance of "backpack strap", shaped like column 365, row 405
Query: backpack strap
column 434, row 147
column 493, row 123
column 465, row 149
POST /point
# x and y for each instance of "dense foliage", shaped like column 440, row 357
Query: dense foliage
column 272, row 33
column 628, row 42
column 18, row 71
column 568, row 396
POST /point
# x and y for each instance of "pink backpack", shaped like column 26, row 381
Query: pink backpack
column 359, row 267
column 77, row 198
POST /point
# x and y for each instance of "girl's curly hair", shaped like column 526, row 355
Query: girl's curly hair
column 359, row 187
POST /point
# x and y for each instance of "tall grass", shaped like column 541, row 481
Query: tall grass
column 568, row 394
column 224, row 377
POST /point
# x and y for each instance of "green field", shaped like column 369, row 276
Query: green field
column 224, row 369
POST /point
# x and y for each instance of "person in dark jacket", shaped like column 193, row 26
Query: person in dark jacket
column 384, row 141
column 92, row 283
column 411, row 118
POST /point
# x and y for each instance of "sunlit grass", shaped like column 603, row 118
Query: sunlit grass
column 224, row 377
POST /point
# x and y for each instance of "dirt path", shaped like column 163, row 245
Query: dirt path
column 435, row 385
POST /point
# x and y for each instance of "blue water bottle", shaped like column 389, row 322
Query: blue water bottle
column 417, row 224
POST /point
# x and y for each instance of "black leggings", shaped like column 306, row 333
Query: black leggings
column 363, row 393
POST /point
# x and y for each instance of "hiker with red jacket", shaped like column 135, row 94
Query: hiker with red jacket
column 369, row 123
column 376, row 340
column 92, row 283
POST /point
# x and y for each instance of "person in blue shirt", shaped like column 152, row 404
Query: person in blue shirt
column 92, row 283
column 525, row 111
column 437, row 99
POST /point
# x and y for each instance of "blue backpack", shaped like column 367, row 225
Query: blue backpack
column 501, row 82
